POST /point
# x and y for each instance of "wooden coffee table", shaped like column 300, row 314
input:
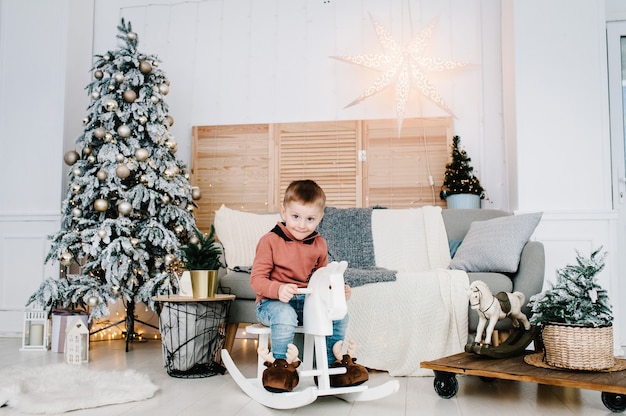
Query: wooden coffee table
column 611, row 384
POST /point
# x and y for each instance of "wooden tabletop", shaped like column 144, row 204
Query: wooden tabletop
column 516, row 369
column 177, row 298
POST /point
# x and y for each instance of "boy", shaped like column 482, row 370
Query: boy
column 285, row 259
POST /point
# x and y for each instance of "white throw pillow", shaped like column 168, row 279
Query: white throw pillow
column 495, row 245
column 239, row 232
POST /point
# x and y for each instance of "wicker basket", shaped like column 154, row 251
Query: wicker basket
column 578, row 347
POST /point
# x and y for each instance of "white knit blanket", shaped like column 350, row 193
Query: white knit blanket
column 423, row 314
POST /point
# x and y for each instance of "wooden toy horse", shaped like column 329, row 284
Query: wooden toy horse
column 325, row 301
column 494, row 308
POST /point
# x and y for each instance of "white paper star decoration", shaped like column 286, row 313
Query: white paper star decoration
column 405, row 66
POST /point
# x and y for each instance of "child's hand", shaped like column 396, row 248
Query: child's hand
column 348, row 291
column 286, row 292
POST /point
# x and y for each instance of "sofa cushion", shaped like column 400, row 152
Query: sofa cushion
column 239, row 232
column 238, row 284
column 348, row 232
column 495, row 245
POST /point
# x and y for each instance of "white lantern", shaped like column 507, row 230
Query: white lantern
column 77, row 342
column 35, row 335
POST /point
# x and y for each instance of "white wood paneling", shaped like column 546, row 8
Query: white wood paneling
column 24, row 245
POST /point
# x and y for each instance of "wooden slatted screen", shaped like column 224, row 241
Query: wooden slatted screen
column 231, row 165
column 399, row 167
column 325, row 152
column 357, row 163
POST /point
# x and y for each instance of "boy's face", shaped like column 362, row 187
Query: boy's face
column 301, row 220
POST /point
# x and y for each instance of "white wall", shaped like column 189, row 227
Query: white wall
column 32, row 108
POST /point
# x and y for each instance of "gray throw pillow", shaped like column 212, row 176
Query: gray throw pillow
column 495, row 245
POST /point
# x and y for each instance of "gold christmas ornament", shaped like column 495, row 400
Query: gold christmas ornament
column 135, row 241
column 87, row 150
column 122, row 171
column 102, row 233
column 168, row 173
column 124, row 208
column 170, row 120
column 99, row 133
column 101, row 205
column 193, row 240
column 71, row 157
column 76, row 188
column 142, row 154
column 108, row 137
column 143, row 119
column 93, row 301
column 102, row 175
column 95, row 95
column 124, row 131
column 77, row 213
column 169, row 259
column 77, row 172
column 171, row 144
column 106, row 57
column 166, row 199
column 91, row 159
column 164, row 89
column 86, row 121
column 196, row 193
column 143, row 179
column 110, row 104
column 119, row 157
column 189, row 208
column 179, row 229
column 118, row 77
column 154, row 99
column 66, row 258
column 145, row 67
column 129, row 96
column 98, row 74
column 131, row 36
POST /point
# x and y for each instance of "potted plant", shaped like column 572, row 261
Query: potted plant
column 202, row 257
column 576, row 317
column 461, row 189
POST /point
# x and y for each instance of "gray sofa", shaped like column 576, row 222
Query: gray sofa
column 528, row 279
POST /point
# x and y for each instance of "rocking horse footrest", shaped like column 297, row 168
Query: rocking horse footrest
column 331, row 371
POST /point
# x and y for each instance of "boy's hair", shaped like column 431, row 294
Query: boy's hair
column 306, row 192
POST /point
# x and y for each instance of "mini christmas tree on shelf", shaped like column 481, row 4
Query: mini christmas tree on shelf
column 129, row 204
column 459, row 177
column 576, row 298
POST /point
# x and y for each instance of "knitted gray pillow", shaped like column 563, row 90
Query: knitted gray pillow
column 495, row 245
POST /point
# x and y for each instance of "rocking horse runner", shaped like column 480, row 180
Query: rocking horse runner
column 324, row 302
column 492, row 309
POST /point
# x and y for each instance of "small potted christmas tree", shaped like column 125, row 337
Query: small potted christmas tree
column 202, row 257
column 461, row 189
column 576, row 317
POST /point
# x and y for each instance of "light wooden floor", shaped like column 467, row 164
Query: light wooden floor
column 219, row 395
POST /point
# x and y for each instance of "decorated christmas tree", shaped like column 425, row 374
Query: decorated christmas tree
column 576, row 297
column 129, row 204
column 459, row 177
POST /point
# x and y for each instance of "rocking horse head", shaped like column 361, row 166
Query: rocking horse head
column 326, row 299
column 479, row 292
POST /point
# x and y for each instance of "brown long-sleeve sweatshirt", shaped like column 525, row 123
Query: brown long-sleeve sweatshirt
column 280, row 258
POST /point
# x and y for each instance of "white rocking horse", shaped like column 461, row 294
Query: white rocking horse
column 325, row 302
column 490, row 308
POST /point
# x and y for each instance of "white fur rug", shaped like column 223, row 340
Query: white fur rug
column 59, row 388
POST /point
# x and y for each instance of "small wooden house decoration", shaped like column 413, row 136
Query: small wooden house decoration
column 77, row 342
column 35, row 332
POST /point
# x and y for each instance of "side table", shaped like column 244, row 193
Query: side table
column 192, row 334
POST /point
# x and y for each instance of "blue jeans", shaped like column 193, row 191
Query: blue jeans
column 283, row 318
